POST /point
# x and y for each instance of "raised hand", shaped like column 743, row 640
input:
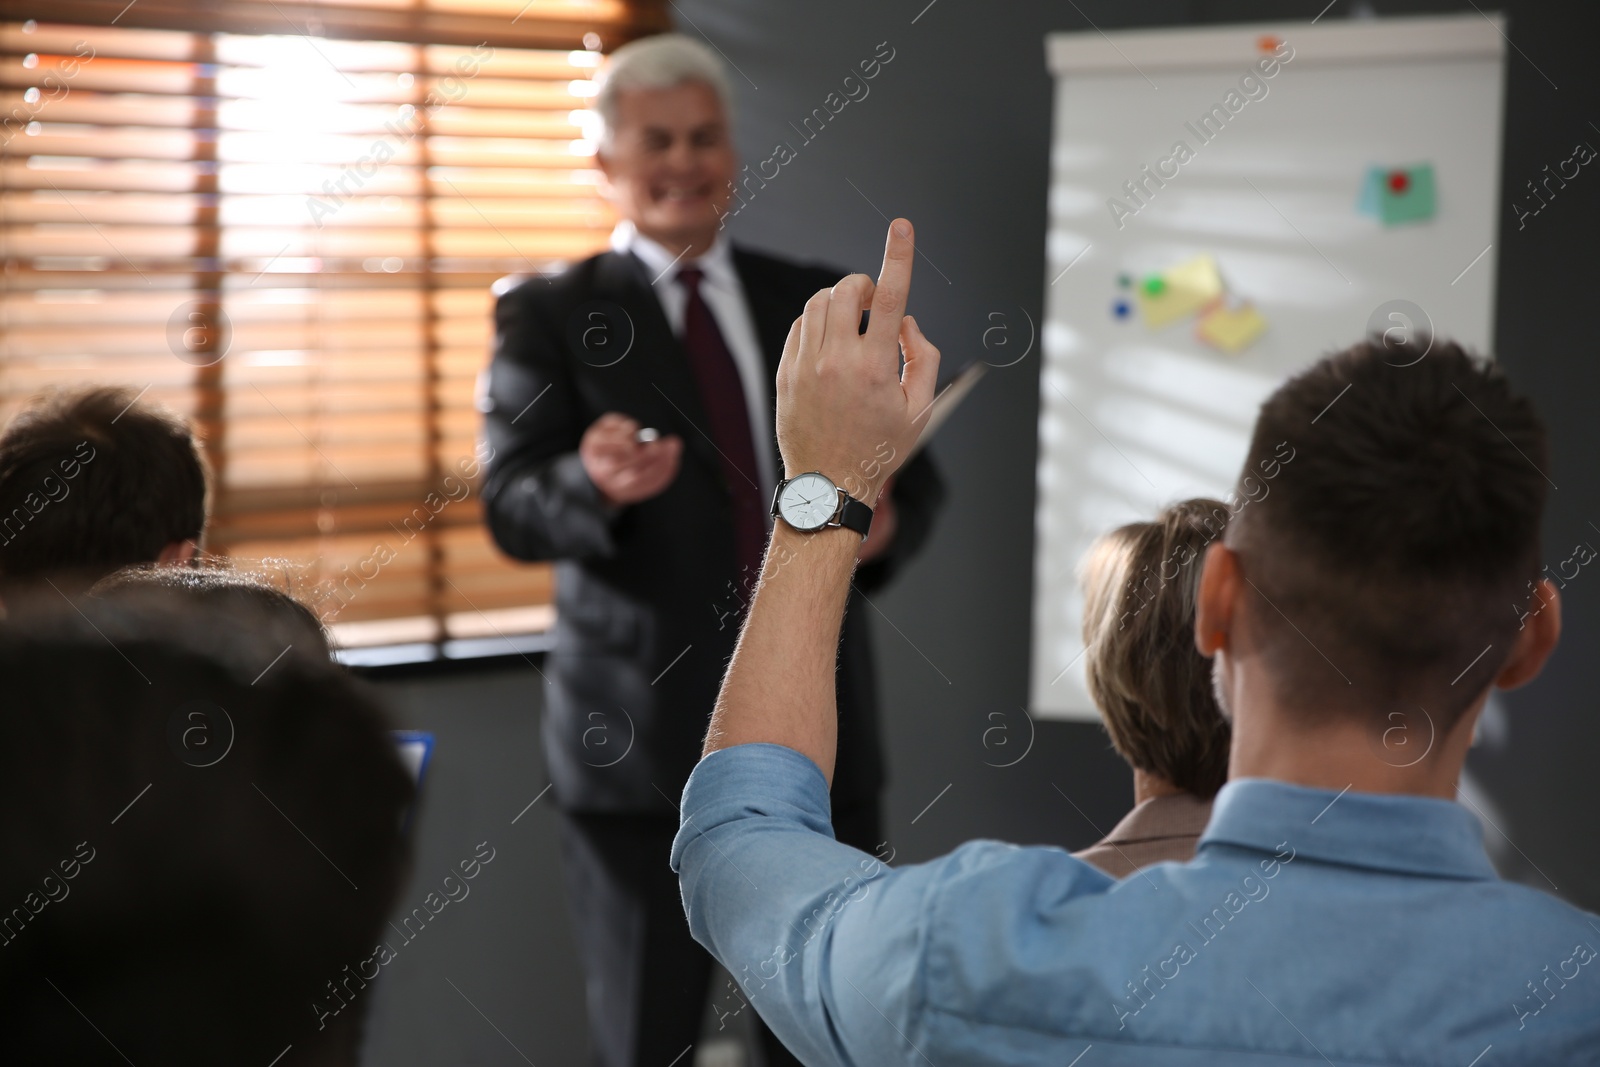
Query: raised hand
column 845, row 406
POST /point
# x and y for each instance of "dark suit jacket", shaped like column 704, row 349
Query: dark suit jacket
column 647, row 601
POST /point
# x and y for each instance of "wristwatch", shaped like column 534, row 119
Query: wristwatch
column 810, row 502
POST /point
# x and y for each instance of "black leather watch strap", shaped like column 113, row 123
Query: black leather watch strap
column 854, row 515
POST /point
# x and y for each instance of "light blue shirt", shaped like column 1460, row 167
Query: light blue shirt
column 1312, row 927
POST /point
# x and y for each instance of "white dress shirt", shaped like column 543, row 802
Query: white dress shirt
column 720, row 288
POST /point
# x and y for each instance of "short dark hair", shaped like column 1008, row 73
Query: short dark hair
column 94, row 479
column 1152, row 686
column 1391, row 555
column 217, row 581
column 171, row 909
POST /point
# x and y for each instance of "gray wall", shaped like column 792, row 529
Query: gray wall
column 954, row 135
column 506, row 946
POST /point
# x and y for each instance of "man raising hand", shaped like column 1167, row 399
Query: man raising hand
column 1359, row 919
column 844, row 404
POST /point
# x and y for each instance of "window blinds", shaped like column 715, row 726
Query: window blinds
column 290, row 235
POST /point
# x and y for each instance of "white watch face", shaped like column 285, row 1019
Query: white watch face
column 808, row 501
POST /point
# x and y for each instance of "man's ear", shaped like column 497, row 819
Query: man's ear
column 178, row 551
column 1220, row 581
column 1535, row 641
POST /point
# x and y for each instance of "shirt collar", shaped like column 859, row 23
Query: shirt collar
column 716, row 263
column 1380, row 831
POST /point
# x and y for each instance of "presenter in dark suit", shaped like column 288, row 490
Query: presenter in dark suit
column 630, row 408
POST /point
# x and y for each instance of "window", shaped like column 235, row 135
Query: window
column 289, row 232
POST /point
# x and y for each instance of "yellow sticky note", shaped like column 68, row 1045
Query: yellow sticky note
column 1178, row 291
column 1231, row 329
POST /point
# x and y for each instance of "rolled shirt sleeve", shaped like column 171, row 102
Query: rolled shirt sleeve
column 821, row 937
column 857, row 964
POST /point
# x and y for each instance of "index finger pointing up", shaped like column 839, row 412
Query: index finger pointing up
column 894, row 287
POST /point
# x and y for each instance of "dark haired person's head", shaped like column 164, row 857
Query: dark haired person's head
column 1388, row 575
column 95, row 479
column 288, row 622
column 195, row 847
column 1152, row 686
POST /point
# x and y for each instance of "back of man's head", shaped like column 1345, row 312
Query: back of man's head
column 192, row 853
column 1394, row 549
column 95, row 479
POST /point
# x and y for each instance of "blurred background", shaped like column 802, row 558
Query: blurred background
column 284, row 218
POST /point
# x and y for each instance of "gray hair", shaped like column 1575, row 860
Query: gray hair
column 660, row 62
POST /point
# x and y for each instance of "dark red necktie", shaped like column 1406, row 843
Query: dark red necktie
column 722, row 396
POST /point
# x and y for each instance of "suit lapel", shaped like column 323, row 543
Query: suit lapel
column 657, row 360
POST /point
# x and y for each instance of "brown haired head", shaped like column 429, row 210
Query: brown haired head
column 1152, row 685
column 1390, row 566
column 206, row 874
column 95, row 479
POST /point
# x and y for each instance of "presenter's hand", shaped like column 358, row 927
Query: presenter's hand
column 845, row 407
column 625, row 471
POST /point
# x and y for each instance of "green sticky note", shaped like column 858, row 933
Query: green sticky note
column 1406, row 194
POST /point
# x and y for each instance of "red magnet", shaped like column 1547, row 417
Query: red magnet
column 1399, row 181
column 1268, row 43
